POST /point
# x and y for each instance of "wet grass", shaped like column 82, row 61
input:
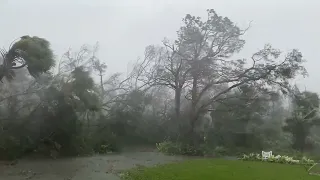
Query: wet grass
column 220, row 170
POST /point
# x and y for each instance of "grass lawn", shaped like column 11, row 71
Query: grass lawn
column 218, row 169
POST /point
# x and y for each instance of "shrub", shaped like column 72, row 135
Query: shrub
column 278, row 159
column 169, row 147
column 10, row 148
column 13, row 147
column 105, row 147
column 178, row 148
column 220, row 151
column 105, row 142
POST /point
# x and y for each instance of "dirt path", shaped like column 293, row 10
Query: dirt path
column 85, row 168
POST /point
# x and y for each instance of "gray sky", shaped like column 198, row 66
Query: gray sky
column 125, row 27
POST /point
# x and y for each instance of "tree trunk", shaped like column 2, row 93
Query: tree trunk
column 177, row 100
column 192, row 134
column 177, row 107
column 191, row 137
column 194, row 92
column 101, row 84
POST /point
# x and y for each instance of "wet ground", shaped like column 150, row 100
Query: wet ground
column 106, row 167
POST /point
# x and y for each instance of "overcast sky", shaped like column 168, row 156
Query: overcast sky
column 125, row 27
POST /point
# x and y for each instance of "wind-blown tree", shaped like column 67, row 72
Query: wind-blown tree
column 271, row 132
column 77, row 83
column 239, row 117
column 69, row 102
column 82, row 86
column 56, row 117
column 305, row 115
column 31, row 52
column 200, row 62
column 99, row 67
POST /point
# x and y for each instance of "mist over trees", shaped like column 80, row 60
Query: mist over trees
column 189, row 92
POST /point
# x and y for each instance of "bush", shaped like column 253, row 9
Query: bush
column 13, row 147
column 220, row 151
column 81, row 145
column 179, row 148
column 168, row 147
column 10, row 148
column 105, row 147
column 278, row 159
column 105, row 142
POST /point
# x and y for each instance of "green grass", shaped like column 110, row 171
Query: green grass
column 221, row 170
column 315, row 169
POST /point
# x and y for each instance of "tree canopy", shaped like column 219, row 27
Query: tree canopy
column 32, row 52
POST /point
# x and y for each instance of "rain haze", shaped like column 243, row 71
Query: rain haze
column 208, row 98
column 124, row 28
